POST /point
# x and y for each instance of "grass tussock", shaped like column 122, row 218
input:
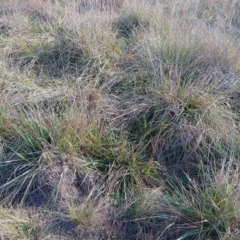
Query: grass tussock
column 196, row 212
column 119, row 119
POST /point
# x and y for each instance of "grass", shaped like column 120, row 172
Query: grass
column 119, row 121
column 15, row 224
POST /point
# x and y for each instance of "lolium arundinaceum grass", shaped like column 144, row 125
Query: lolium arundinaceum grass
column 119, row 122
column 23, row 150
column 201, row 211
column 182, row 124
column 125, row 165
column 213, row 208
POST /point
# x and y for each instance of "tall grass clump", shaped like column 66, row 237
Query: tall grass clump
column 36, row 134
column 209, row 211
column 184, row 126
column 119, row 119
column 183, row 111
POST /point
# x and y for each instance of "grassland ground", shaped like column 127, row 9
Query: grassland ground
column 120, row 120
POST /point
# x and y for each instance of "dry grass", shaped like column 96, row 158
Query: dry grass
column 119, row 119
column 16, row 224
